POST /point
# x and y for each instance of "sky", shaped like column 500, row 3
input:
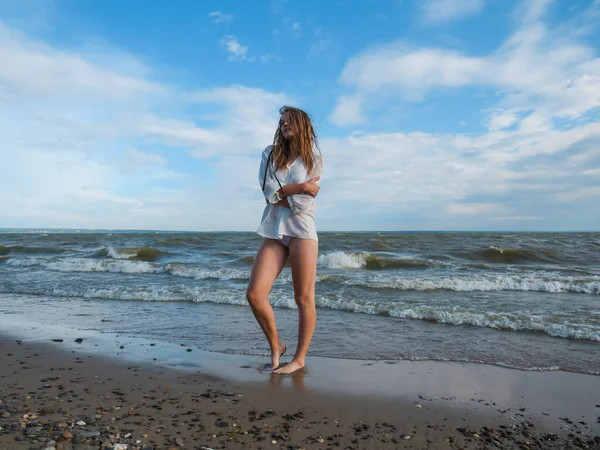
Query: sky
column 431, row 114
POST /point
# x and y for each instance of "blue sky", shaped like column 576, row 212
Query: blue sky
column 432, row 114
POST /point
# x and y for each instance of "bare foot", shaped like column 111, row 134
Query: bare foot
column 275, row 355
column 292, row 367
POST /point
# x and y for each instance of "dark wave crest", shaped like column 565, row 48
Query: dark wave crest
column 149, row 254
column 516, row 255
column 20, row 249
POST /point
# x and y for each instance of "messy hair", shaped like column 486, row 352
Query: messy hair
column 304, row 143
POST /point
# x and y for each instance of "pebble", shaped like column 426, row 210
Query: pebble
column 120, row 447
column 48, row 410
column 81, row 423
column 407, row 437
column 6, row 415
column 52, row 447
column 79, row 340
column 33, row 431
column 88, row 434
column 221, row 423
column 66, row 435
column 128, row 435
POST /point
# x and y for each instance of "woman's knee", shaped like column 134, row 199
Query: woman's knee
column 253, row 297
column 304, row 300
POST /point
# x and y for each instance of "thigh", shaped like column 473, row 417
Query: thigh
column 269, row 263
column 303, row 259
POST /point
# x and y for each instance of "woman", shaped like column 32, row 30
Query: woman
column 289, row 176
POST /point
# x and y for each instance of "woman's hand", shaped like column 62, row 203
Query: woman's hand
column 284, row 202
column 311, row 187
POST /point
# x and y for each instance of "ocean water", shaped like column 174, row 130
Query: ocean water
column 524, row 300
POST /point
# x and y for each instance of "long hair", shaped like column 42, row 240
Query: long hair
column 303, row 144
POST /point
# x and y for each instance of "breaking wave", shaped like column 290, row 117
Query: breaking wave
column 515, row 256
column 20, row 250
column 545, row 323
column 131, row 253
column 587, row 285
column 365, row 260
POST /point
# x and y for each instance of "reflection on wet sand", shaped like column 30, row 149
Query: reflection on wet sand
column 297, row 380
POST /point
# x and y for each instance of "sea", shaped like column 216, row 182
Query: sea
column 529, row 301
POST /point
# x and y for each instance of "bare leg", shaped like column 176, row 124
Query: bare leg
column 268, row 265
column 303, row 258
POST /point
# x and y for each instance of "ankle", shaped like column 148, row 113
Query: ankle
column 277, row 347
column 299, row 361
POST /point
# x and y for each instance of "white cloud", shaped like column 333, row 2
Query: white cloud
column 76, row 156
column 477, row 209
column 219, row 17
column 237, row 51
column 248, row 120
column 177, row 132
column 65, row 74
column 591, row 193
column 75, row 127
column 440, row 11
column 347, row 111
column 517, row 218
column 458, row 181
column 140, row 158
column 500, row 120
column 535, row 69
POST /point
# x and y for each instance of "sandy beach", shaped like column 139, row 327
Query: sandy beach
column 66, row 395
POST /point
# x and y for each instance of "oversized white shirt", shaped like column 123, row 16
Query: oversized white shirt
column 299, row 219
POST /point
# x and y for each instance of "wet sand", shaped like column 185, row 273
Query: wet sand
column 63, row 395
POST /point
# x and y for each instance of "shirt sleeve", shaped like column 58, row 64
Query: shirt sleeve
column 265, row 174
column 301, row 202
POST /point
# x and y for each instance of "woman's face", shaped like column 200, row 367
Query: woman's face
column 285, row 126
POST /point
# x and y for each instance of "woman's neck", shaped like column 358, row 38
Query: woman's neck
column 292, row 153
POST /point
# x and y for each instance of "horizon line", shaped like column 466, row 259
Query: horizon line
column 50, row 229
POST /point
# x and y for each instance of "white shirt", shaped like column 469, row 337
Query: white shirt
column 299, row 219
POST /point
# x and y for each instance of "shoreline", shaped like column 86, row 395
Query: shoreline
column 376, row 404
column 456, row 344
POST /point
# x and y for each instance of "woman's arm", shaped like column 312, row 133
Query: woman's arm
column 310, row 188
column 287, row 190
column 301, row 201
column 279, row 193
column 284, row 203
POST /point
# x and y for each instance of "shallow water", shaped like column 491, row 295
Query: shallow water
column 525, row 300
